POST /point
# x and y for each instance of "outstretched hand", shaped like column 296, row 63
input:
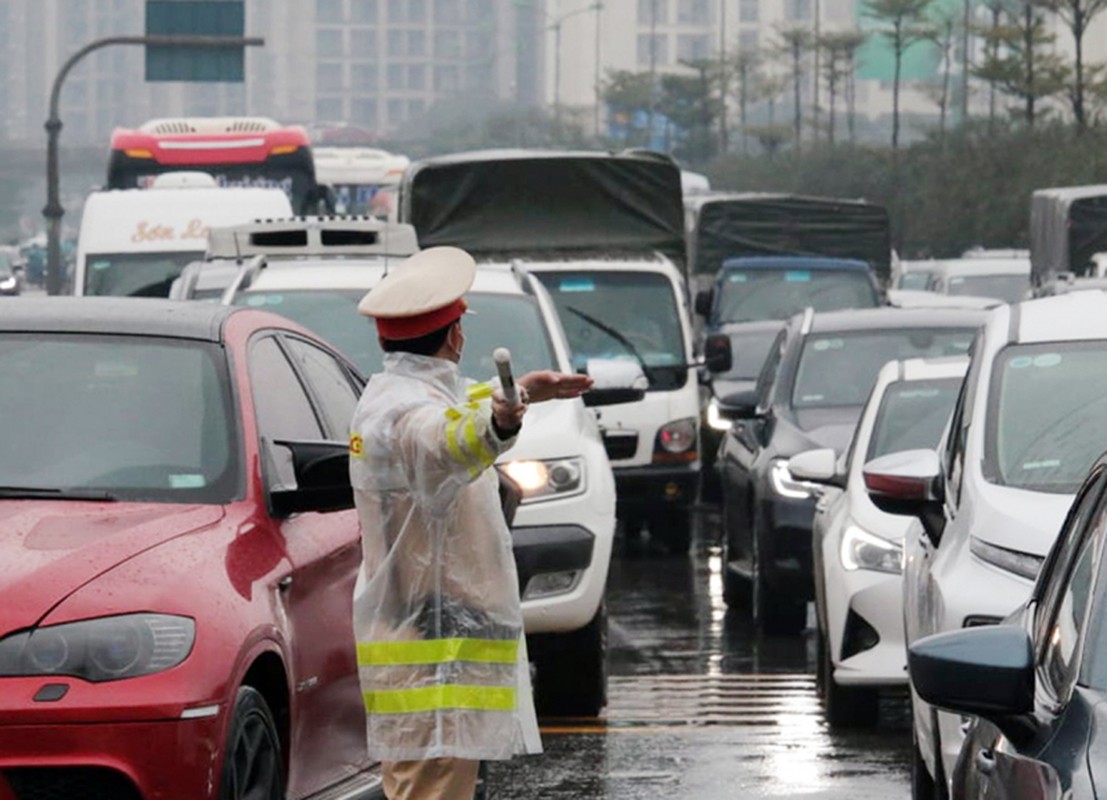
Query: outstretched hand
column 549, row 385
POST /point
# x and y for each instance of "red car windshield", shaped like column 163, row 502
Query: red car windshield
column 141, row 419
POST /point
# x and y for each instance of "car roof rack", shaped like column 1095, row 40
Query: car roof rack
column 312, row 236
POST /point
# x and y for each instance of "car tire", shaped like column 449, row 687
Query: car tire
column 673, row 528
column 252, row 763
column 846, row 706
column 772, row 614
column 571, row 670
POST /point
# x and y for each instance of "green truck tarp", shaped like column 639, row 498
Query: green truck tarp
column 724, row 225
column 523, row 202
column 1068, row 225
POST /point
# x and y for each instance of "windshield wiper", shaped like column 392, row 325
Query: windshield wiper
column 42, row 493
column 614, row 334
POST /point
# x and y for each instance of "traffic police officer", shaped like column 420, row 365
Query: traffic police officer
column 440, row 646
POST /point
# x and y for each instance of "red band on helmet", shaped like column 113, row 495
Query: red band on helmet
column 399, row 328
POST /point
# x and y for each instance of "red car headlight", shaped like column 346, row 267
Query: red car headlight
column 105, row 649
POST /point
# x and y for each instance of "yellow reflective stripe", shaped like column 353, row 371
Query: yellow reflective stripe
column 479, row 391
column 455, row 448
column 437, row 651
column 477, row 447
column 437, row 698
column 452, row 414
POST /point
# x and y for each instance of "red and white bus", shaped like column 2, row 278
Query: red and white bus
column 236, row 151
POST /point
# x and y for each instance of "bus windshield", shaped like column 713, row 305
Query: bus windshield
column 248, row 153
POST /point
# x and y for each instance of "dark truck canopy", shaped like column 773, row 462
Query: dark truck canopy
column 527, row 201
column 722, row 226
column 1068, row 225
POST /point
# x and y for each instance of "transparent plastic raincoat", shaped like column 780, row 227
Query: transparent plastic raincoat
column 440, row 646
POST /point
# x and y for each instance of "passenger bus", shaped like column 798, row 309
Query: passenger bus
column 360, row 180
column 251, row 152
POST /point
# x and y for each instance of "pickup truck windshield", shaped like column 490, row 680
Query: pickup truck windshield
column 498, row 320
column 749, row 295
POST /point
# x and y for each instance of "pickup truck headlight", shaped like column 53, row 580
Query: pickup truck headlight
column 1025, row 565
column 787, row 486
column 547, row 480
column 863, row 550
column 105, row 649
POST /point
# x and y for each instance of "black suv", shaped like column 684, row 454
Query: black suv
column 810, row 394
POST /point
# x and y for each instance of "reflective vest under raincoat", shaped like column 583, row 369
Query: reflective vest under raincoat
column 440, row 646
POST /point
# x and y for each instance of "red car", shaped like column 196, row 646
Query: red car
column 178, row 556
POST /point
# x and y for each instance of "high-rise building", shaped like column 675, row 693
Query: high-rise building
column 376, row 64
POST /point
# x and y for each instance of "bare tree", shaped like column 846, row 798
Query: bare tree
column 943, row 34
column 997, row 11
column 840, row 48
column 1024, row 65
column 1077, row 16
column 743, row 66
column 794, row 44
column 902, row 27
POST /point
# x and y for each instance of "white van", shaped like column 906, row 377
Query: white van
column 136, row 241
column 604, row 232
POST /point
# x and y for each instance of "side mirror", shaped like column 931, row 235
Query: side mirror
column 704, row 300
column 717, row 353
column 739, row 405
column 322, row 471
column 817, row 466
column 614, row 381
column 909, row 484
column 986, row 672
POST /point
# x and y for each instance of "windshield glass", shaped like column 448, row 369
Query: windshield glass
column 749, row 295
column 1047, row 418
column 839, row 369
column 640, row 306
column 912, row 415
column 134, row 274
column 498, row 320
column 139, row 418
column 1008, row 288
column 749, row 353
column 914, row 280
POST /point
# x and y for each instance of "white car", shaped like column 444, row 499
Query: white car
column 565, row 525
column 1029, row 423
column 1004, row 277
column 857, row 548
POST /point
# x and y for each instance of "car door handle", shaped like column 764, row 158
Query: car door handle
column 985, row 762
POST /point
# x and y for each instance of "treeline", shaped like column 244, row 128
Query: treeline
column 945, row 194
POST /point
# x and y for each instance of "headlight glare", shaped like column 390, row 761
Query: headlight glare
column 863, row 550
column 7, row 283
column 787, row 486
column 715, row 421
column 105, row 649
column 1025, row 565
column 548, row 479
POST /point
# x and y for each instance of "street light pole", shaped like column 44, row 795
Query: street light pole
column 598, row 6
column 53, row 210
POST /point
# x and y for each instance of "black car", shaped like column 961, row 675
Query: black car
column 750, row 343
column 810, row 394
column 1037, row 684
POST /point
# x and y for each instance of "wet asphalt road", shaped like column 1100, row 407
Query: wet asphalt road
column 702, row 707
